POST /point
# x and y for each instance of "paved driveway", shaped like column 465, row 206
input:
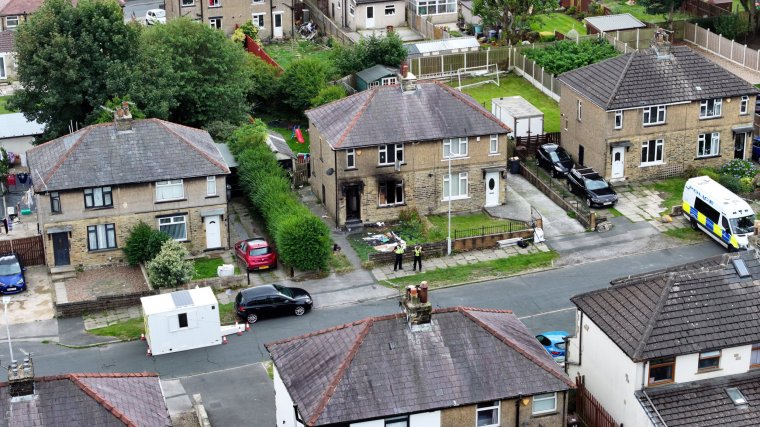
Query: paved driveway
column 36, row 303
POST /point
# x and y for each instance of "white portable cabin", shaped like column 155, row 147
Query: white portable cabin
column 520, row 115
column 181, row 320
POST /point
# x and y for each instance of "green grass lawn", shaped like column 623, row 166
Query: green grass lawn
column 546, row 24
column 294, row 145
column 4, row 105
column 671, row 190
column 127, row 330
column 479, row 271
column 286, row 52
column 205, row 268
column 360, row 246
column 686, row 233
column 511, row 85
column 639, row 12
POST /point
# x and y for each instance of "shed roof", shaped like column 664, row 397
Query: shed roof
column 15, row 124
column 168, row 302
column 279, row 147
column 621, row 21
column 376, row 72
column 517, row 106
column 422, row 48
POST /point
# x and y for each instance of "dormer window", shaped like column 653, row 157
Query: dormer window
column 710, row 108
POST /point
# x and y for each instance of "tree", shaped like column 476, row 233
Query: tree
column 66, row 59
column 190, row 74
column 368, row 52
column 170, row 268
column 327, row 95
column 511, row 14
column 263, row 79
column 302, row 81
column 143, row 243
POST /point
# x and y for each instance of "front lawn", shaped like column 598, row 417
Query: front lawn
column 4, row 105
column 286, row 52
column 478, row 220
column 686, row 233
column 511, row 85
column 205, row 268
column 640, row 12
column 547, row 24
column 126, row 330
column 671, row 190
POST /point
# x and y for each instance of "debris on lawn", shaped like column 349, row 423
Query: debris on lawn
column 384, row 242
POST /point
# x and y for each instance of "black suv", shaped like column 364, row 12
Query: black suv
column 271, row 300
column 592, row 187
column 554, row 159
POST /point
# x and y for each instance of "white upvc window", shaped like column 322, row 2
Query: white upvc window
column 170, row 190
column 436, row 7
column 544, row 403
column 744, row 105
column 619, row 119
column 258, row 19
column 487, row 414
column 654, row 115
column 457, row 187
column 708, row 144
column 387, row 81
column 389, row 154
column 215, row 23
column 210, row 186
column 493, row 148
column 710, row 108
column 351, row 159
column 652, row 152
column 174, row 226
column 11, row 21
column 454, row 147
column 390, row 9
column 580, row 110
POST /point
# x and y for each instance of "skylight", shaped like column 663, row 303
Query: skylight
column 736, row 396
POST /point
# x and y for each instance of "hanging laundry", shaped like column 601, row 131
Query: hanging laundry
column 22, row 177
column 12, row 179
column 29, row 198
column 11, row 158
column 10, row 224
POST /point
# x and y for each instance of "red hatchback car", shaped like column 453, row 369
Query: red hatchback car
column 256, row 253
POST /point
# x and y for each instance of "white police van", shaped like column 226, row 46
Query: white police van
column 723, row 215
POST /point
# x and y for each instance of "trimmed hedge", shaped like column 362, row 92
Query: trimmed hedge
column 302, row 239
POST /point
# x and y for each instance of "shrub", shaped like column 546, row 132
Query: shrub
column 170, row 268
column 301, row 82
column 568, row 55
column 738, row 168
column 327, row 95
column 246, row 136
column 411, row 225
column 143, row 243
column 368, row 52
column 731, row 182
column 220, row 131
column 570, row 10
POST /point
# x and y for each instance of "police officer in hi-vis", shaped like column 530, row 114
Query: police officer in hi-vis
column 417, row 258
column 399, row 251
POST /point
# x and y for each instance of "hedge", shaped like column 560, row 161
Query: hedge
column 302, row 240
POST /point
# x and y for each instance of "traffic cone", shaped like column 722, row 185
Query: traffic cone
column 224, row 339
column 237, row 327
column 148, row 353
column 247, row 326
column 142, row 337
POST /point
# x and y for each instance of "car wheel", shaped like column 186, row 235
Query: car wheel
column 588, row 202
column 300, row 311
column 694, row 224
column 569, row 186
column 252, row 318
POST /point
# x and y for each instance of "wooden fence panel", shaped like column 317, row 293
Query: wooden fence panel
column 590, row 411
column 30, row 249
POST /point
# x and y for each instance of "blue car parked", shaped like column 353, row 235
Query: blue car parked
column 756, row 148
column 12, row 278
column 554, row 343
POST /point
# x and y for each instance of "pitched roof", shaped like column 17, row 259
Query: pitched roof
column 621, row 21
column 378, row 367
column 385, row 115
column 88, row 399
column 98, row 155
column 19, row 7
column 6, row 41
column 279, row 146
column 703, row 403
column 687, row 309
column 15, row 124
column 373, row 73
column 640, row 79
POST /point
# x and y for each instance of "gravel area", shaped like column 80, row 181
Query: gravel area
column 105, row 281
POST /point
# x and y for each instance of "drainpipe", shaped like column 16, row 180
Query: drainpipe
column 517, row 410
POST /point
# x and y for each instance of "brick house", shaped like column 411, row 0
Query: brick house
column 94, row 185
column 452, row 367
column 7, row 56
column 273, row 17
column 14, row 12
column 390, row 147
column 674, row 347
column 655, row 113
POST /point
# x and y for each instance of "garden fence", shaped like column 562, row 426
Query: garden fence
column 326, row 25
column 487, row 230
column 735, row 52
column 703, row 8
column 448, row 65
column 589, row 409
column 29, row 249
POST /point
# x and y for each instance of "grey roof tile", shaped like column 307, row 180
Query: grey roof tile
column 639, row 79
column 377, row 367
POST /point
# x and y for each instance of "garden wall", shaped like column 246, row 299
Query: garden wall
column 101, row 303
column 429, row 250
column 581, row 214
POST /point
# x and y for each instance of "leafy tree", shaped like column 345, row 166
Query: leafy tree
column 263, row 79
column 247, row 136
column 302, row 81
column 106, row 116
column 67, row 60
column 511, row 14
column 368, row 52
column 143, row 243
column 750, row 7
column 568, row 55
column 220, row 131
column 170, row 268
column 190, row 74
column 327, row 95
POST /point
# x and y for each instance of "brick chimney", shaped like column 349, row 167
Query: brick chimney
column 661, row 44
column 417, row 307
column 407, row 79
column 21, row 378
column 122, row 118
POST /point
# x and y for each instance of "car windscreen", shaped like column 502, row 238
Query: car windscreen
column 559, row 155
column 283, row 290
column 160, row 13
column 259, row 251
column 596, row 184
column 9, row 266
column 743, row 225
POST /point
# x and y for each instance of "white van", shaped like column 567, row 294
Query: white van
column 721, row 214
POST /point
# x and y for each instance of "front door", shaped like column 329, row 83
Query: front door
column 618, row 162
column 370, row 17
column 213, row 231
column 61, row 248
column 740, row 141
column 353, row 203
column 277, row 30
column 492, row 189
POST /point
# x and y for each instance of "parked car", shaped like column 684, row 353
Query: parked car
column 271, row 300
column 256, row 253
column 756, row 148
column 155, row 16
column 554, row 159
column 589, row 184
column 12, row 277
column 554, row 343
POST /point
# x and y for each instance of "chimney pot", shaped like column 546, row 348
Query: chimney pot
column 404, row 70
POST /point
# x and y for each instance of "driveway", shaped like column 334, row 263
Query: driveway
column 36, row 303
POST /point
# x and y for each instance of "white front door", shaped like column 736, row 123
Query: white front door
column 277, row 32
column 370, row 17
column 492, row 189
column 213, row 231
column 618, row 163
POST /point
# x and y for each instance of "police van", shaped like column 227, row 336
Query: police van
column 723, row 215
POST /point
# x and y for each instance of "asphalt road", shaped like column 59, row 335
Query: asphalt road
column 139, row 7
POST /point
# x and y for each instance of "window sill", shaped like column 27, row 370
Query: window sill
column 646, row 125
column 446, row 159
column 659, row 383
column 350, row 169
column 544, row 414
column 215, row 196
column 454, row 199
column 647, row 165
column 187, row 5
column 493, row 154
column 389, row 165
column 94, row 251
column 391, row 206
column 715, row 156
column 170, row 201
column 707, row 370
column 215, row 7
column 710, row 117
column 98, row 208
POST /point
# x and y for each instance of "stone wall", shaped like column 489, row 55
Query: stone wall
column 464, row 415
column 101, row 303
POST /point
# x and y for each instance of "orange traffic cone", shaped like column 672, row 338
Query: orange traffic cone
column 142, row 337
column 239, row 331
column 247, row 326
column 224, row 339
column 148, row 353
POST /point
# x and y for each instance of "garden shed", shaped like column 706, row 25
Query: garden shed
column 520, row 115
column 608, row 23
column 379, row 75
column 181, row 320
column 442, row 47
